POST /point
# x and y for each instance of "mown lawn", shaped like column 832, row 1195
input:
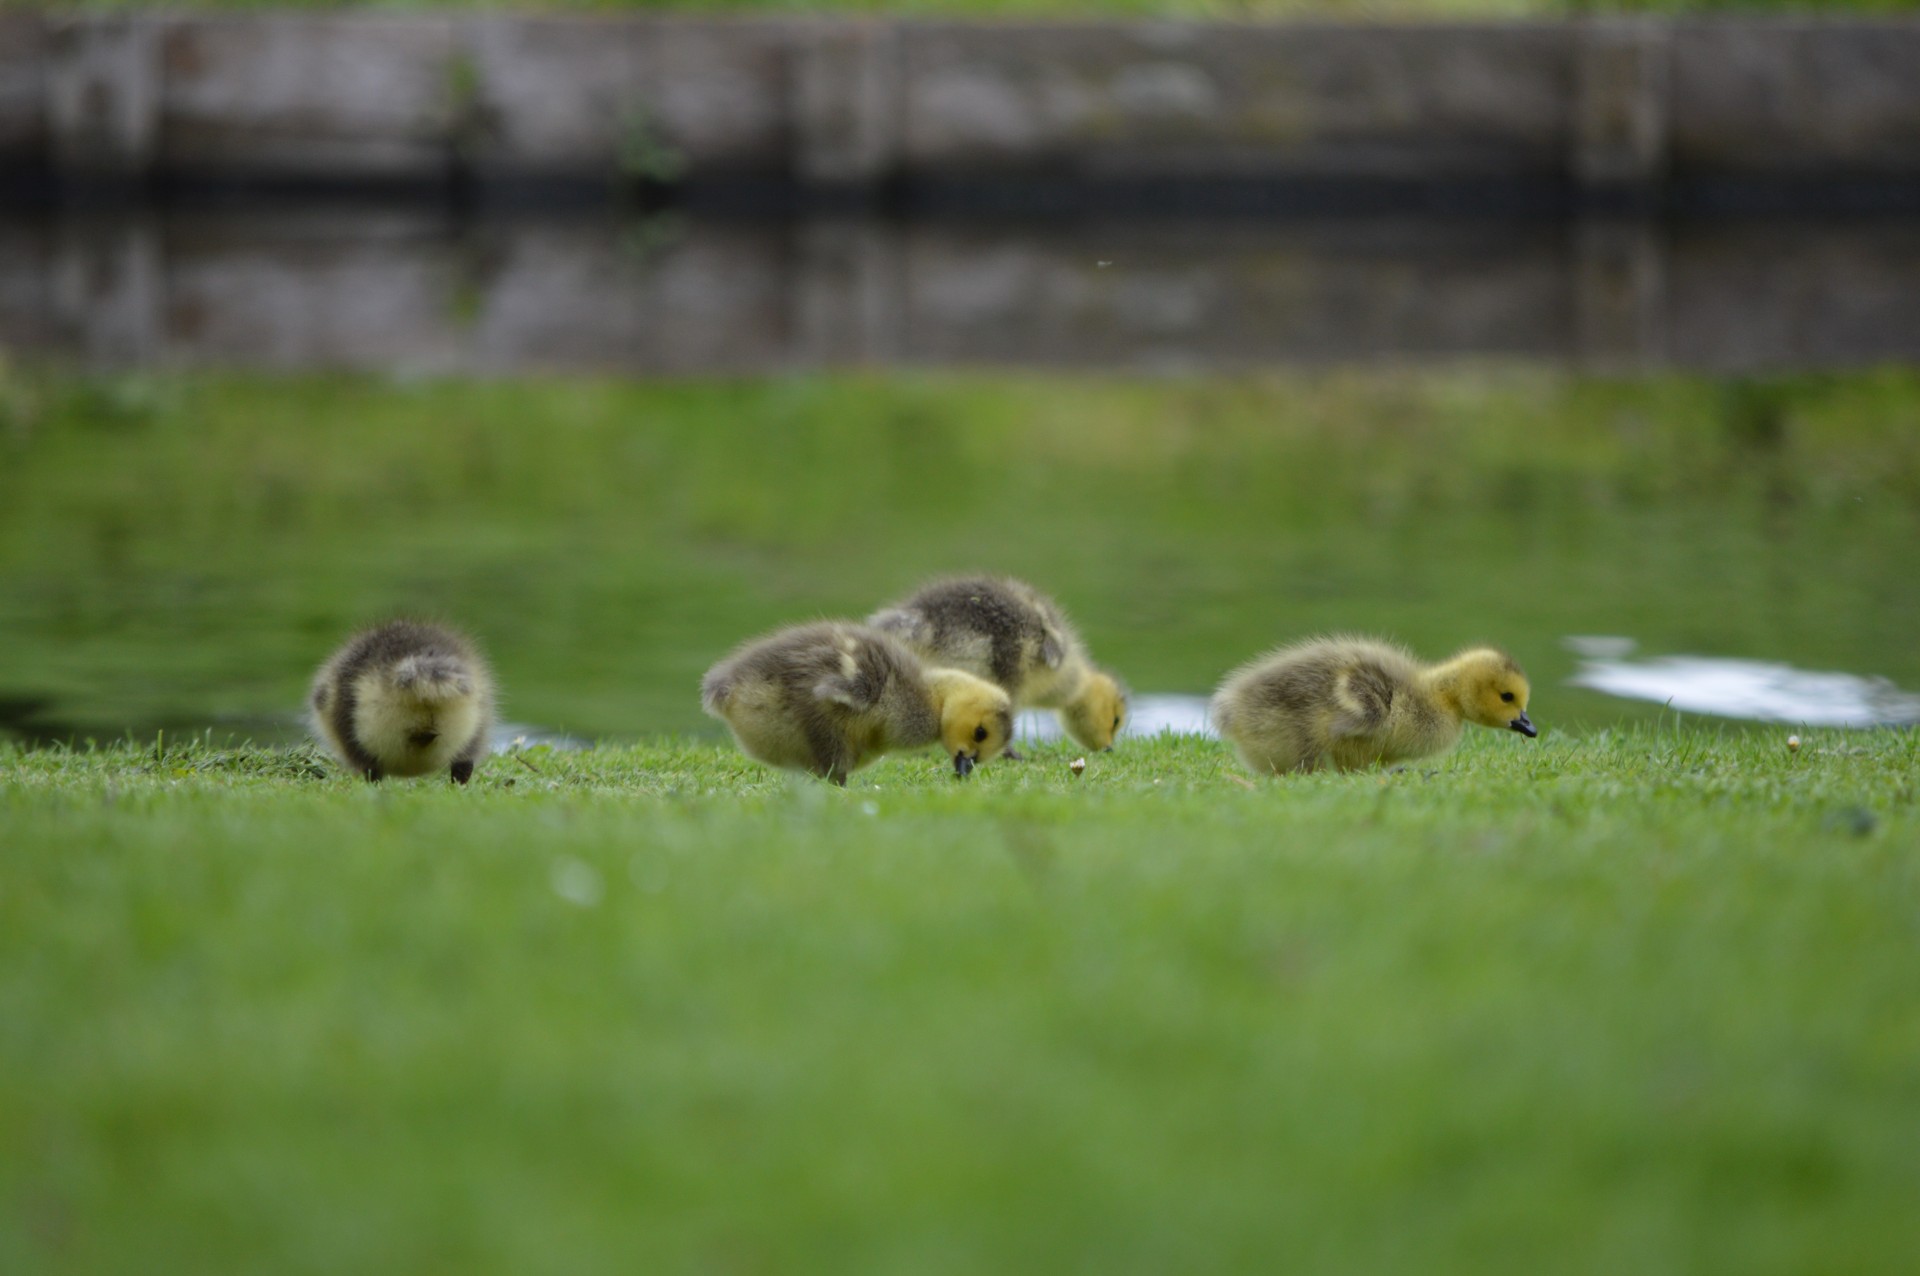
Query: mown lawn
column 1639, row 1001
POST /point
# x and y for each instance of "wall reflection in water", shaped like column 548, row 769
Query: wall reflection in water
column 418, row 292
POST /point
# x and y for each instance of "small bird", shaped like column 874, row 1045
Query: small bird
column 831, row 696
column 1008, row 632
column 1350, row 702
column 405, row 698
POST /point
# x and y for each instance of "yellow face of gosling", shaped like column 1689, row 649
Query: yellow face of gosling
column 1493, row 692
column 1097, row 714
column 976, row 722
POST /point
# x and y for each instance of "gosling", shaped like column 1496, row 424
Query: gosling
column 1351, row 702
column 1011, row 634
column 405, row 698
column 832, row 696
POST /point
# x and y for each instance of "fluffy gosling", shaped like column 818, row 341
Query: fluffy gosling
column 1351, row 702
column 832, row 696
column 405, row 698
column 1011, row 634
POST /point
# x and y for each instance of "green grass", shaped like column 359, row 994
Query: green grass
column 1641, row 1000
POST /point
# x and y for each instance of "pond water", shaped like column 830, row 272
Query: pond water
column 425, row 293
column 1759, row 690
column 223, row 446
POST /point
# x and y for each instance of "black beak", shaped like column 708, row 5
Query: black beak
column 962, row 765
column 1524, row 725
column 421, row 739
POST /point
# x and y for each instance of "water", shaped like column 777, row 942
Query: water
column 1756, row 690
column 419, row 292
column 1749, row 690
column 1148, row 714
column 612, row 452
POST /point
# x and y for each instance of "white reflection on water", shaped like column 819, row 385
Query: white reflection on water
column 518, row 735
column 1146, row 715
column 1754, row 689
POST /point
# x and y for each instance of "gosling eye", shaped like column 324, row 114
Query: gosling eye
column 1116, row 724
column 979, row 734
column 1507, row 696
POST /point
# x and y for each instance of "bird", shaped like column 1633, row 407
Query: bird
column 831, row 696
column 1349, row 701
column 1011, row 634
column 405, row 698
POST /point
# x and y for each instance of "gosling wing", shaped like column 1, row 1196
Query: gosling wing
column 1363, row 696
column 852, row 677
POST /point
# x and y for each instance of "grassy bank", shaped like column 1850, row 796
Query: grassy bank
column 184, row 550
column 1642, row 1001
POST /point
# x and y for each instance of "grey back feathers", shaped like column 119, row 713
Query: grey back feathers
column 1352, row 680
column 433, row 674
column 908, row 624
column 829, row 661
column 997, row 628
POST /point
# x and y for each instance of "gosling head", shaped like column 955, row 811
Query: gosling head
column 976, row 718
column 1095, row 716
column 1492, row 690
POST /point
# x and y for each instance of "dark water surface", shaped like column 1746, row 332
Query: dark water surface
column 612, row 451
column 406, row 290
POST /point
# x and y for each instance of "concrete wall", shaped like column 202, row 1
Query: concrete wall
column 357, row 97
column 407, row 292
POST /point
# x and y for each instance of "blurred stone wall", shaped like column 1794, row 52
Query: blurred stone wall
column 1625, row 110
column 858, row 103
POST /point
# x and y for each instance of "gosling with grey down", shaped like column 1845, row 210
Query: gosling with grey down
column 831, row 696
column 1011, row 634
column 405, row 699
column 1350, row 702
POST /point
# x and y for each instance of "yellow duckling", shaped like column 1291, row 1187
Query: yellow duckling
column 1011, row 634
column 405, row 698
column 832, row 696
column 1350, row 702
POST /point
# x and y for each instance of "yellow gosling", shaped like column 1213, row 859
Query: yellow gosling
column 831, row 696
column 405, row 699
column 1351, row 702
column 1009, row 633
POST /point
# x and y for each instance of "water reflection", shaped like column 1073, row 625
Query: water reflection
column 180, row 548
column 1147, row 715
column 414, row 291
column 1757, row 690
column 509, row 736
